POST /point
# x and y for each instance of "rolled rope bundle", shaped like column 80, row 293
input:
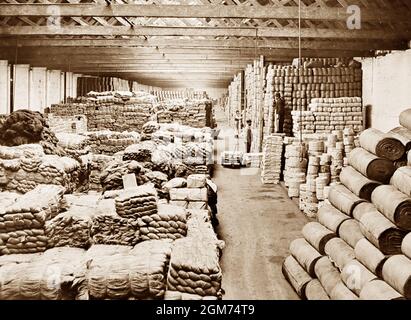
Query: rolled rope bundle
column 330, row 217
column 381, row 232
column 379, row 290
column 50, row 276
column 170, row 222
column 296, row 276
column 405, row 119
column 342, row 292
column 382, row 145
column 402, row 134
column 305, row 254
column 317, row 235
column 371, row 166
column 350, row 232
column 406, row 246
column 343, row 199
column 315, row 291
column 397, row 273
column 402, row 180
column 137, row 202
column 370, row 256
column 22, row 225
column 339, row 252
column 327, row 274
column 194, row 268
column 357, row 183
column 393, row 204
column 355, row 276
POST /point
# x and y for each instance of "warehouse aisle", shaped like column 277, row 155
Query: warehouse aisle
column 257, row 223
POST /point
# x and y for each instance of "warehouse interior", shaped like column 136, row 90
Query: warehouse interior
column 205, row 149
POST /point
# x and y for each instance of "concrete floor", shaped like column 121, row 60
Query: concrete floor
column 257, row 223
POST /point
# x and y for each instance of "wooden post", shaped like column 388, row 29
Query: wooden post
column 260, row 92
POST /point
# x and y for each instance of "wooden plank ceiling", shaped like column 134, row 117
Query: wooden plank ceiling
column 191, row 43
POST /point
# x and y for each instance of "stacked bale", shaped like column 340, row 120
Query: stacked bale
column 53, row 275
column 137, row 202
column 110, row 142
column 107, row 113
column 24, row 167
column 124, row 272
column 194, row 196
column 295, row 167
column 170, row 222
column 22, row 225
column 194, row 268
column 272, row 159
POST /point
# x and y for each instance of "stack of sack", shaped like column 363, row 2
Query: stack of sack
column 271, row 161
column 191, row 113
column 24, row 167
column 194, row 196
column 194, row 268
column 112, row 176
column 325, row 115
column 72, row 226
column 137, row 202
column 295, row 168
column 337, row 113
column 109, row 142
column 170, row 222
column 140, row 152
column 52, row 275
column 303, row 121
column 22, row 224
column 87, row 219
column 106, row 113
column 95, row 164
column 360, row 246
column 124, row 272
column 75, row 145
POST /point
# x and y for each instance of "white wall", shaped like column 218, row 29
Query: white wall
column 387, row 88
column 38, row 87
column 4, row 87
column 53, row 87
column 21, row 86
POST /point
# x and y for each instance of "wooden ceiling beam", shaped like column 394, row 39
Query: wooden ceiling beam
column 206, row 43
column 199, row 11
column 164, row 54
column 288, row 32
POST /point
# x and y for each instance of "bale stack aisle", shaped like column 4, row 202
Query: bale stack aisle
column 359, row 246
column 114, row 243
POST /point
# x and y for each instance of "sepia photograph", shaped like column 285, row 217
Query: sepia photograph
column 197, row 157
